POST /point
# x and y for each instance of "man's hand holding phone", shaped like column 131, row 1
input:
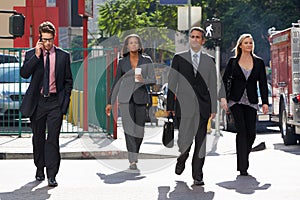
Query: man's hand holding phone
column 38, row 47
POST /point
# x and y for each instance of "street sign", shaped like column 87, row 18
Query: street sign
column 213, row 29
column 85, row 8
column 174, row 2
column 183, row 17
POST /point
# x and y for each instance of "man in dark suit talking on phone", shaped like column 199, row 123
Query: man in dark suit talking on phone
column 46, row 100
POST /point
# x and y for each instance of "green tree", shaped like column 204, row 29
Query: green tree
column 147, row 18
column 250, row 16
column 238, row 16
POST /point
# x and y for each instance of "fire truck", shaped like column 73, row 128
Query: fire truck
column 285, row 64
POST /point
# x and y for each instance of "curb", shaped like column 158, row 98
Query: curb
column 87, row 155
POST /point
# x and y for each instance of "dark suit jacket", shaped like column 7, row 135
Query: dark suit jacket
column 239, row 82
column 34, row 67
column 124, row 85
column 193, row 94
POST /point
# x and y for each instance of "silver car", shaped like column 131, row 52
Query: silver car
column 12, row 90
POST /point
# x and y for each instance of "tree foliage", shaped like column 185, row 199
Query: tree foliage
column 238, row 17
column 119, row 18
column 254, row 17
column 116, row 17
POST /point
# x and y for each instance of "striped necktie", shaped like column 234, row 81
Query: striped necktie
column 195, row 63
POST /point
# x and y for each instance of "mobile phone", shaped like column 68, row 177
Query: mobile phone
column 40, row 38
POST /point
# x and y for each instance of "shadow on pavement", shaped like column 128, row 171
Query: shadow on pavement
column 244, row 185
column 183, row 191
column 121, row 177
column 293, row 149
column 27, row 192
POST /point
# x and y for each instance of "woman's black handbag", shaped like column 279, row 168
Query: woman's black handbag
column 168, row 132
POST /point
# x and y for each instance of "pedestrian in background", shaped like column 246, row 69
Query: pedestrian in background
column 192, row 98
column 245, row 69
column 131, row 89
column 46, row 100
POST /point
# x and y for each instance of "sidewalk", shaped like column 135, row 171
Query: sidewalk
column 89, row 146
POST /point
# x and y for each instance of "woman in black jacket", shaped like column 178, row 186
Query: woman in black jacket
column 245, row 70
column 132, row 93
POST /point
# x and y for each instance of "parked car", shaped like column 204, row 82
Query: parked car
column 263, row 120
column 12, row 91
column 14, row 64
column 8, row 58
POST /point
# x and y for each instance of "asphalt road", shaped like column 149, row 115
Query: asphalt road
column 274, row 174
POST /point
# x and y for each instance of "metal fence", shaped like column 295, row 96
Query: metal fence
column 100, row 64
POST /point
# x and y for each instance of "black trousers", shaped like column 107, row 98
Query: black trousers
column 193, row 129
column 245, row 123
column 46, row 146
column 133, row 121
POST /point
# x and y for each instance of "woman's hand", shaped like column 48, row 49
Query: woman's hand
column 213, row 115
column 224, row 104
column 108, row 109
column 265, row 108
column 139, row 78
column 167, row 113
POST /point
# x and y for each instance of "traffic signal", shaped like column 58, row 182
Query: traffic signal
column 213, row 29
column 16, row 25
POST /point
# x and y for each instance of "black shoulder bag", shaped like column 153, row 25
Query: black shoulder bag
column 168, row 132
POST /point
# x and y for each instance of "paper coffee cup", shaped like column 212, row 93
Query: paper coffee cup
column 137, row 71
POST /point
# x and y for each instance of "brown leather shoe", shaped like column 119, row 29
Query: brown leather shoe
column 133, row 166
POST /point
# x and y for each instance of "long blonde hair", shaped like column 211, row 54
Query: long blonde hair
column 237, row 49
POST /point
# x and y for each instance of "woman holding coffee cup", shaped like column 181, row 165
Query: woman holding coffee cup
column 135, row 72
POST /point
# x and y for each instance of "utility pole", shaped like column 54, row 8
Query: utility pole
column 213, row 29
column 189, row 14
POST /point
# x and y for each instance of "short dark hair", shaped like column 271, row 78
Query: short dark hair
column 197, row 28
column 47, row 27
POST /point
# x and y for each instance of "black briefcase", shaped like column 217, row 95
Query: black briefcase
column 168, row 132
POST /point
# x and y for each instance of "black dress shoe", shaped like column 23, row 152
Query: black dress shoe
column 244, row 173
column 179, row 168
column 198, row 182
column 52, row 182
column 39, row 176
